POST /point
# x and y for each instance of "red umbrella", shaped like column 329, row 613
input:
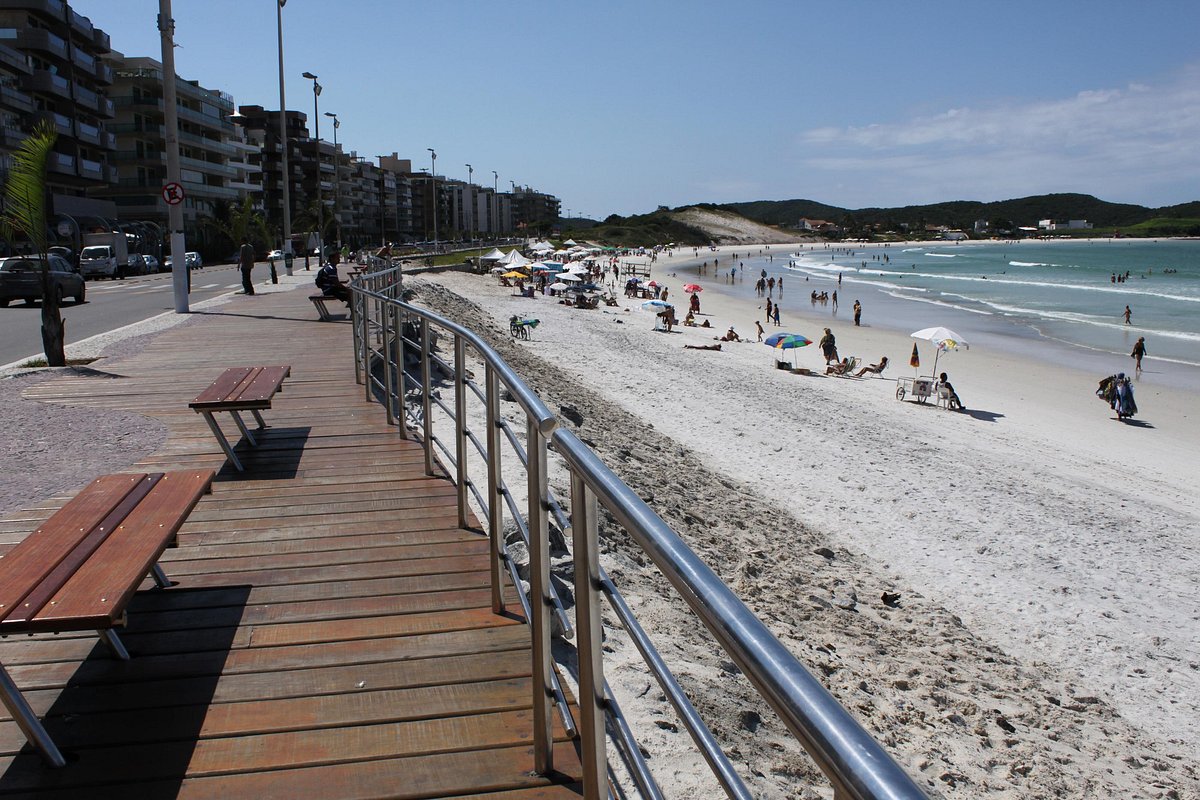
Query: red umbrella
column 691, row 288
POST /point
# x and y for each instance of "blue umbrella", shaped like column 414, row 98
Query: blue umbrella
column 787, row 341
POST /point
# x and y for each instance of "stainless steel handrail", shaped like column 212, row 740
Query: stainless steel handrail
column 856, row 765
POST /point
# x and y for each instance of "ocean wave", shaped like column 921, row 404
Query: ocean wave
column 942, row 255
column 1090, row 319
column 1030, row 264
column 901, row 295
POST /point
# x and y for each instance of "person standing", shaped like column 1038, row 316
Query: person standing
column 828, row 347
column 777, row 315
column 1139, row 351
column 768, row 309
column 1127, row 315
column 246, row 262
column 835, row 301
column 758, row 325
column 857, row 312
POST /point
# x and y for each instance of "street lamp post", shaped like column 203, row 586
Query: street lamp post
column 179, row 268
column 320, row 203
column 434, row 204
column 337, row 181
column 495, row 204
column 285, row 176
column 471, row 199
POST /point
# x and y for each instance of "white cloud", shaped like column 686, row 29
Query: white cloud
column 1133, row 144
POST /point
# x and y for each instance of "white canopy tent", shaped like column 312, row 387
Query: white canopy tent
column 495, row 254
column 514, row 259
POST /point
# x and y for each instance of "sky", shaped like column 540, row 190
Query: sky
column 625, row 105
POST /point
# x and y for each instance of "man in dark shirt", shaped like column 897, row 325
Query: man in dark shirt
column 329, row 283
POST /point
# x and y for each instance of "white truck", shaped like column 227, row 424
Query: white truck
column 104, row 255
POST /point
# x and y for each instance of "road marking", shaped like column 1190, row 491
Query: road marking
column 208, row 286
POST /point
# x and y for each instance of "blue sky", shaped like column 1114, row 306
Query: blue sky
column 621, row 106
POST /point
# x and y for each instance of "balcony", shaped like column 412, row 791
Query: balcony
column 207, row 190
column 102, row 40
column 14, row 59
column 104, row 73
column 92, row 170
column 205, row 119
column 60, row 122
column 141, row 103
column 82, row 24
column 42, row 40
column 209, row 144
column 136, row 127
column 106, row 108
column 49, row 83
column 16, row 100
column 11, row 137
column 61, row 163
column 87, row 98
column 88, row 133
column 54, row 9
column 208, row 167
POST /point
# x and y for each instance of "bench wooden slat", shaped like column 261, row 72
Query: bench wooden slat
column 29, row 563
column 242, row 388
column 219, row 390
column 54, row 581
column 97, row 594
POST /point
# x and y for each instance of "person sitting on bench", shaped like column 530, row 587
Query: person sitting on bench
column 874, row 369
column 328, row 281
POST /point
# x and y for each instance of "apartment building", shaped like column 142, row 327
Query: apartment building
column 52, row 70
column 533, row 210
column 262, row 133
column 210, row 160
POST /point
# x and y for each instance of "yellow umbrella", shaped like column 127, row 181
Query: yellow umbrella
column 514, row 274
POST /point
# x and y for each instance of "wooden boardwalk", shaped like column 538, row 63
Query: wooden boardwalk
column 330, row 632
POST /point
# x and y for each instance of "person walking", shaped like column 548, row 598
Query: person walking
column 758, row 325
column 1139, row 351
column 1127, row 315
column 777, row 315
column 769, row 307
column 246, row 263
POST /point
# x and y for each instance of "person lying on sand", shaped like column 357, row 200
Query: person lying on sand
column 702, row 347
column 874, row 369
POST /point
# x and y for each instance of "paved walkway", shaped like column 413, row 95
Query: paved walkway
column 330, row 631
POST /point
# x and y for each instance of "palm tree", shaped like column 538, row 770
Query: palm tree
column 25, row 216
column 240, row 223
column 308, row 219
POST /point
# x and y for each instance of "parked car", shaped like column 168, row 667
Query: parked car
column 151, row 264
column 20, row 279
column 135, row 264
column 193, row 260
column 275, row 255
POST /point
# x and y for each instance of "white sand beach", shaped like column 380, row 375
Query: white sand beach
column 1046, row 643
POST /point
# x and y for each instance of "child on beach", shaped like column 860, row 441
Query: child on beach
column 758, row 325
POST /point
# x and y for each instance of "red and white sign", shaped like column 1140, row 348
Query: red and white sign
column 173, row 194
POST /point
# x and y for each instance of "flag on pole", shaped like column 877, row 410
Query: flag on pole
column 915, row 360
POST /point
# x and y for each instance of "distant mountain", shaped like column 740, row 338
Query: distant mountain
column 964, row 213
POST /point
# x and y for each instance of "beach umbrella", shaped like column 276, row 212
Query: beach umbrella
column 787, row 341
column 559, row 286
column 945, row 340
column 692, row 288
column 656, row 305
column 514, row 274
column 569, row 276
column 497, row 270
column 914, row 360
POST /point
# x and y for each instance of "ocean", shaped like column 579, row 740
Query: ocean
column 1028, row 293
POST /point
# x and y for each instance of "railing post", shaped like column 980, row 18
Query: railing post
column 365, row 337
column 356, row 300
column 539, row 600
column 426, row 396
column 460, row 425
column 495, row 501
column 401, row 382
column 586, row 550
column 389, row 382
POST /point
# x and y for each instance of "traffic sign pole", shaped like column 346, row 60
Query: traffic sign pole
column 179, row 266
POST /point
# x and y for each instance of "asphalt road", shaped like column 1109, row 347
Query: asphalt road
column 114, row 304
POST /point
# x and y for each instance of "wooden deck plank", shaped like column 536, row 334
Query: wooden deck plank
column 330, row 630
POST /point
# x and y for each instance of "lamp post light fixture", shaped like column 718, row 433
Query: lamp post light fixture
column 495, row 204
column 337, row 180
column 434, row 204
column 285, row 174
column 320, row 202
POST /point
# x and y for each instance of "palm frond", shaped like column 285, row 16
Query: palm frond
column 25, row 189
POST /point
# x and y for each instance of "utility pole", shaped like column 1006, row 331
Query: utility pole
column 286, row 176
column 173, row 191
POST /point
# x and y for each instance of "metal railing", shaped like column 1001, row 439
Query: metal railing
column 396, row 358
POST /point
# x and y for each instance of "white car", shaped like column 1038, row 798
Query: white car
column 193, row 260
column 151, row 264
column 275, row 255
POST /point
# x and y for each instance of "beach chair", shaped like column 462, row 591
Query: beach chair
column 943, row 396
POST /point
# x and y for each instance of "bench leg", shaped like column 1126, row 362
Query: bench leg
column 221, row 440
column 27, row 721
column 160, row 578
column 242, row 427
column 110, row 638
column 262, row 423
column 322, row 310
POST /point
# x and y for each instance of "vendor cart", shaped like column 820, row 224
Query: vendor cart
column 918, row 389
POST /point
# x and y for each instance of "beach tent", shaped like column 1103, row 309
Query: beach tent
column 514, row 259
column 542, row 247
column 569, row 243
column 495, row 254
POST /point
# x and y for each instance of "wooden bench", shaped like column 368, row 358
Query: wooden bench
column 80, row 569
column 318, row 301
column 239, row 389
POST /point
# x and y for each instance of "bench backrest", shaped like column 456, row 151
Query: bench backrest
column 241, row 388
column 79, row 569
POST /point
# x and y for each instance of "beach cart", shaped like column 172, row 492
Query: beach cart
column 520, row 327
column 918, row 389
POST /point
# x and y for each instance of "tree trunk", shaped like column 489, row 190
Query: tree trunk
column 53, row 328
